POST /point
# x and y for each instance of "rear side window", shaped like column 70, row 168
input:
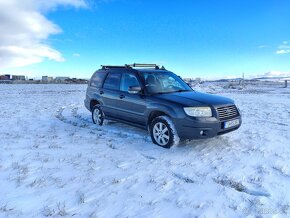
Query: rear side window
column 98, row 78
column 113, row 81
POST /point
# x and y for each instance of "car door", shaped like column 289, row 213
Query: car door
column 132, row 106
column 111, row 94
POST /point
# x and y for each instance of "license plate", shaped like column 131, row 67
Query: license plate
column 231, row 123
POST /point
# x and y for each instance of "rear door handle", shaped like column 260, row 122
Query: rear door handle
column 101, row 92
column 122, row 96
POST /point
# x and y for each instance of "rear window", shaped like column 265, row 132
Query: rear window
column 98, row 78
column 112, row 81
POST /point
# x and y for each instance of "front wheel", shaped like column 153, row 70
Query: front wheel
column 97, row 115
column 163, row 132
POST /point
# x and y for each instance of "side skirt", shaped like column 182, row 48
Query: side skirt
column 126, row 122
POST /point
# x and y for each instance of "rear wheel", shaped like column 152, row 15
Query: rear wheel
column 163, row 132
column 97, row 115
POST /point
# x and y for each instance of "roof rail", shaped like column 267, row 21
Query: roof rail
column 143, row 65
column 111, row 66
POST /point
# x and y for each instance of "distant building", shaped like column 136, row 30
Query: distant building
column 47, row 78
column 18, row 77
column 76, row 81
column 4, row 77
column 61, row 78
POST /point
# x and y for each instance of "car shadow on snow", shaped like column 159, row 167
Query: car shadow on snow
column 219, row 142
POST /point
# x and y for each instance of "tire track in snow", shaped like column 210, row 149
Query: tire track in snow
column 71, row 115
column 240, row 187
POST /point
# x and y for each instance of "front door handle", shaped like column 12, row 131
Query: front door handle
column 122, row 96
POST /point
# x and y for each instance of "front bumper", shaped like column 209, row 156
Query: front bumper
column 189, row 128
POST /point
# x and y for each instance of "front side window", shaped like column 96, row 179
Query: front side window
column 163, row 82
column 112, row 81
column 128, row 80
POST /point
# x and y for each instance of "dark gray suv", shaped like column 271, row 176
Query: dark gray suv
column 150, row 97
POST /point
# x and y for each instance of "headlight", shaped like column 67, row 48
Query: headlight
column 198, row 111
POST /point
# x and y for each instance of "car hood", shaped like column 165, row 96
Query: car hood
column 193, row 98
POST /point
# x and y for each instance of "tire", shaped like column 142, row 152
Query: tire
column 163, row 132
column 97, row 115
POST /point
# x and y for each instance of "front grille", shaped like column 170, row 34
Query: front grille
column 227, row 112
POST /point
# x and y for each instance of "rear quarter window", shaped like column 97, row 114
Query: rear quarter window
column 98, row 78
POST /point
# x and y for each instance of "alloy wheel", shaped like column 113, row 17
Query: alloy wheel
column 161, row 133
column 97, row 116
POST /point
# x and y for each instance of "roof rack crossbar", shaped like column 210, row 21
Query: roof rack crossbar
column 142, row 65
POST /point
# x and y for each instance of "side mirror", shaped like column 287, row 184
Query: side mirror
column 134, row 89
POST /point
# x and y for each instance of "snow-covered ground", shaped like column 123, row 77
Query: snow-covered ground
column 55, row 162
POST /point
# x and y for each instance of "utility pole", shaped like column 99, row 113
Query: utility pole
column 243, row 83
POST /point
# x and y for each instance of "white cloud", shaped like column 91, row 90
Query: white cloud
column 284, row 48
column 282, row 51
column 24, row 29
column 275, row 74
column 263, row 46
column 53, row 4
column 76, row 55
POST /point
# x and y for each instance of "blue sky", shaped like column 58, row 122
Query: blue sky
column 197, row 38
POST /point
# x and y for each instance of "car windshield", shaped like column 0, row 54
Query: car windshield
column 163, row 82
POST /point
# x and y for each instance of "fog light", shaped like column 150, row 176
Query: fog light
column 201, row 132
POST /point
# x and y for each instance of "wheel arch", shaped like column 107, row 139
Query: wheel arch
column 156, row 113
column 93, row 102
column 155, row 110
column 168, row 121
